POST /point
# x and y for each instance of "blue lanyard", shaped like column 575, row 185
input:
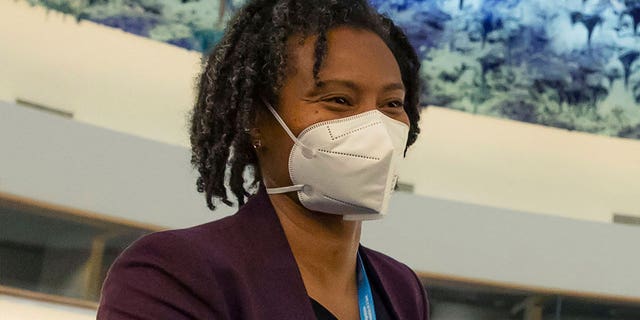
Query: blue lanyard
column 365, row 298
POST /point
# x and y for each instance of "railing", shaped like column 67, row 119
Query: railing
column 53, row 253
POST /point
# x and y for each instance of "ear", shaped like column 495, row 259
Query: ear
column 255, row 134
column 260, row 128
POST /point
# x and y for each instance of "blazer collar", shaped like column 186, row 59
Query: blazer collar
column 382, row 283
column 279, row 289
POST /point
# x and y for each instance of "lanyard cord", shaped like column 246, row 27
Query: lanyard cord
column 365, row 297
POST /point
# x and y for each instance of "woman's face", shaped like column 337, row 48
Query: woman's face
column 359, row 74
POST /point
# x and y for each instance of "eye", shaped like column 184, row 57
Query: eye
column 396, row 104
column 339, row 100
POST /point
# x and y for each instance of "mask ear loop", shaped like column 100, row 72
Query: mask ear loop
column 292, row 188
column 306, row 151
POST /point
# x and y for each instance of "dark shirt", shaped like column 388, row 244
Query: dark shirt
column 380, row 305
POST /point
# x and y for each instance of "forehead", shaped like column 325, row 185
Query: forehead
column 352, row 54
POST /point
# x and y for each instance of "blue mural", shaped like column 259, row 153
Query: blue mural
column 190, row 24
column 569, row 64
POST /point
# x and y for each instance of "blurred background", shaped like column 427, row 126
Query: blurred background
column 520, row 199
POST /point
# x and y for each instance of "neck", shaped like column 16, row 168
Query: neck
column 324, row 245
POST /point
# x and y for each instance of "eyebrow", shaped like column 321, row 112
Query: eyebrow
column 352, row 85
column 394, row 86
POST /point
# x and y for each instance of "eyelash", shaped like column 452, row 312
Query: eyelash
column 398, row 103
column 333, row 99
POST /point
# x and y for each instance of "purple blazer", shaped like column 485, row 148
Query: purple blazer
column 238, row 267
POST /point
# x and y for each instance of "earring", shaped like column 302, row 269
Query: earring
column 257, row 144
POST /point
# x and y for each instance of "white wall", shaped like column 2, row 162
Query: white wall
column 508, row 164
column 135, row 85
column 102, row 75
column 82, row 166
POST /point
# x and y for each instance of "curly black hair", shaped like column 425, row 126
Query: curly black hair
column 249, row 64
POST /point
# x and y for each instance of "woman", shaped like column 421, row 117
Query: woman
column 317, row 100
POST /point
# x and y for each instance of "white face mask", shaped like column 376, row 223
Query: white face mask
column 346, row 166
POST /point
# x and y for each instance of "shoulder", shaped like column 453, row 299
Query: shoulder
column 392, row 268
column 193, row 249
column 199, row 272
column 400, row 282
column 168, row 275
column 388, row 263
column 178, row 248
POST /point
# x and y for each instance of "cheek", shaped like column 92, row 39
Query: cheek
column 401, row 116
column 274, row 155
column 305, row 116
column 404, row 117
column 277, row 139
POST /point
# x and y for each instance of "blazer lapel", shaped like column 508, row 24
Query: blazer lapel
column 278, row 291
